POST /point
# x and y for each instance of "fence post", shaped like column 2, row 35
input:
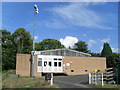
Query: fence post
column 89, row 78
column 95, row 79
column 102, row 80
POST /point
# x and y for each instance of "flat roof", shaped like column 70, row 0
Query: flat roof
column 66, row 49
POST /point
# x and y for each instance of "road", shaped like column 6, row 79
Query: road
column 76, row 81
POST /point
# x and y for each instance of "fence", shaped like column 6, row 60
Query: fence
column 109, row 75
column 101, row 78
column 96, row 78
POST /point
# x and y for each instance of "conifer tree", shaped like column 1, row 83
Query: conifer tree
column 107, row 51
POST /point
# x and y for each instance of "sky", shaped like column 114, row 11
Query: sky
column 68, row 22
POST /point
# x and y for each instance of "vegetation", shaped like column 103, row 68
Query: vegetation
column 112, row 58
column 22, row 41
column 7, row 51
column 106, row 86
column 48, row 44
column 19, row 42
column 107, row 51
column 81, row 46
column 26, row 82
column 95, row 54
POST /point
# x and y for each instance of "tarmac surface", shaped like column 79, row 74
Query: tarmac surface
column 76, row 81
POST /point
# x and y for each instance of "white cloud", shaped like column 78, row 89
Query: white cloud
column 101, row 48
column 116, row 50
column 105, row 40
column 79, row 14
column 36, row 37
column 90, row 42
column 68, row 41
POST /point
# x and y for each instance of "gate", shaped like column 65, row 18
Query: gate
column 101, row 78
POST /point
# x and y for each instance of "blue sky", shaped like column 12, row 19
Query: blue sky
column 69, row 22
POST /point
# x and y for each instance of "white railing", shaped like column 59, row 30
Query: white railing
column 96, row 78
column 101, row 78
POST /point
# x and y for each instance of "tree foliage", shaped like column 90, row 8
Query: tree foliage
column 19, row 42
column 48, row 44
column 22, row 41
column 107, row 51
column 111, row 58
column 81, row 46
column 7, row 51
column 95, row 54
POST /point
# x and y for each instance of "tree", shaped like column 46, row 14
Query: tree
column 81, row 46
column 22, row 41
column 111, row 61
column 19, row 42
column 107, row 51
column 48, row 44
column 95, row 54
column 8, row 61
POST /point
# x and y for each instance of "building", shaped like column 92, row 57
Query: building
column 67, row 61
column 62, row 52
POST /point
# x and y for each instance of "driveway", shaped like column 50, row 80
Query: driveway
column 76, row 81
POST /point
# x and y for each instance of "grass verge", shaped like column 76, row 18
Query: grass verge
column 25, row 82
column 106, row 86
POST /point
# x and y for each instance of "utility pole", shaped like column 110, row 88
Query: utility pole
column 35, row 12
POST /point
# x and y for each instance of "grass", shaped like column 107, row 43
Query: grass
column 25, row 82
column 106, row 86
column 3, row 72
column 0, row 73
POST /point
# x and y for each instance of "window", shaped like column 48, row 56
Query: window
column 45, row 63
column 39, row 63
column 39, row 59
column 72, row 70
column 55, row 58
column 59, row 59
column 50, row 64
column 59, row 64
column 98, row 70
column 55, row 64
column 86, row 70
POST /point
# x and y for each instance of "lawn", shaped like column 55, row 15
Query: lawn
column 2, row 72
column 106, row 86
column 25, row 82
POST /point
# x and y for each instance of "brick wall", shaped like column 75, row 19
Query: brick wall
column 78, row 65
column 71, row 65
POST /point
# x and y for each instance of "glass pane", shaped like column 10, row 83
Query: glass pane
column 45, row 63
column 55, row 64
column 59, row 64
column 59, row 59
column 55, row 58
column 50, row 64
column 39, row 59
column 39, row 63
